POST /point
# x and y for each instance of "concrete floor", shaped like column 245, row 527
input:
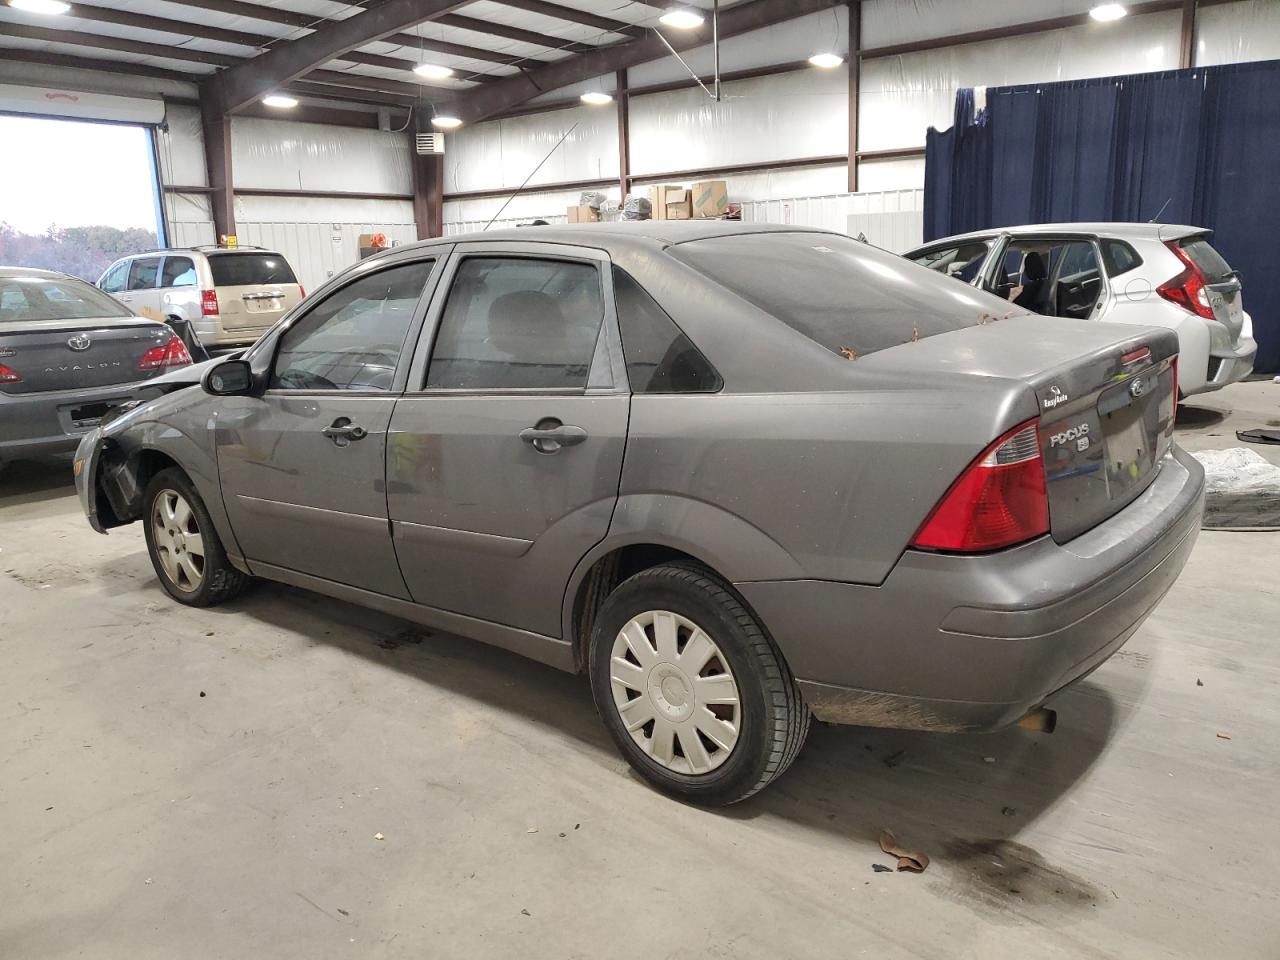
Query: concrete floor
column 185, row 783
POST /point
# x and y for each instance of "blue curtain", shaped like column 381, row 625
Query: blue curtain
column 1184, row 146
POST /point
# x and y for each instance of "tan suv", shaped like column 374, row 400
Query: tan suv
column 228, row 297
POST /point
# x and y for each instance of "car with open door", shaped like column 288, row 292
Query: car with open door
column 68, row 354
column 738, row 475
column 1139, row 273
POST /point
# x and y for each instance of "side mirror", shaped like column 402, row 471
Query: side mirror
column 231, row 378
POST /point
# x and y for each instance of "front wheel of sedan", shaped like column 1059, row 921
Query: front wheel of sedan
column 693, row 692
column 185, row 549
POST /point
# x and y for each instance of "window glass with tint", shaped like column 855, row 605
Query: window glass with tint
column 842, row 294
column 1209, row 260
column 660, row 358
column 249, row 269
column 1119, row 257
column 178, row 272
column 114, row 279
column 353, row 339
column 142, row 273
column 962, row 262
column 518, row 324
column 35, row 298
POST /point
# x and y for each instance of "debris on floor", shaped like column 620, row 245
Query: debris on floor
column 894, row 759
column 1223, row 736
column 988, row 759
column 907, row 859
column 1009, row 811
column 1199, row 682
column 1258, row 436
column 881, row 868
column 1242, row 490
column 378, row 836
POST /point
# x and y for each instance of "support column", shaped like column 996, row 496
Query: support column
column 624, row 135
column 855, row 78
column 428, row 191
column 217, row 158
column 1187, row 51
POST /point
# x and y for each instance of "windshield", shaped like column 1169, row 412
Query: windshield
column 249, row 269
column 849, row 296
column 54, row 298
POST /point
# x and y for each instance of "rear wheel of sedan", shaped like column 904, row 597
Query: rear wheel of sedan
column 693, row 692
column 186, row 552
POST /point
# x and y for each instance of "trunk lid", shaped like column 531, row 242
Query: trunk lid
column 255, row 288
column 67, row 355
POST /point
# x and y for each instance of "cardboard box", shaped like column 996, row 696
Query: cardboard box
column 583, row 214
column 662, row 196
column 676, row 205
column 710, row 198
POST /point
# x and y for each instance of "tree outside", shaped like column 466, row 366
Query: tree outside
column 83, row 252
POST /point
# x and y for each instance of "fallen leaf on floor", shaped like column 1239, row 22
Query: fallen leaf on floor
column 532, row 830
column 526, row 912
column 1199, row 682
column 893, row 760
column 378, row 836
column 1224, row 736
column 881, row 868
column 343, row 912
column 148, row 880
column 907, row 859
column 1009, row 812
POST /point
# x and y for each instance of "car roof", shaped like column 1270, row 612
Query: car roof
column 1129, row 231
column 11, row 272
column 617, row 235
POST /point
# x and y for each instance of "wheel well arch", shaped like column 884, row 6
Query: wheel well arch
column 123, row 480
column 604, row 574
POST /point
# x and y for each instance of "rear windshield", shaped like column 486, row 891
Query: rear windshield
column 249, row 269
column 38, row 298
column 1206, row 258
column 847, row 295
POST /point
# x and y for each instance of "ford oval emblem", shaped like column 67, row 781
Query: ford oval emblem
column 1137, row 387
column 80, row 341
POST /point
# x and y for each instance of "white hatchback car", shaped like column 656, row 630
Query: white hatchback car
column 1152, row 274
column 229, row 297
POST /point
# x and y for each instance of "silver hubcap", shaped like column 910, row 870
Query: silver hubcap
column 179, row 544
column 675, row 692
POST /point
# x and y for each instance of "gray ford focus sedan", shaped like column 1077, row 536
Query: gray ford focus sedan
column 738, row 475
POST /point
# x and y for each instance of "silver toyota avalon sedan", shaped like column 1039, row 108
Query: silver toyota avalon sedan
column 69, row 353
column 738, row 475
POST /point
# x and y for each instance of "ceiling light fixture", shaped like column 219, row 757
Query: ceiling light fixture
column 48, row 7
column 1107, row 12
column 826, row 60
column 280, row 101
column 596, row 98
column 433, row 71
column 445, row 122
column 681, row 18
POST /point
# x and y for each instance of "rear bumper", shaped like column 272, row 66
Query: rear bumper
column 41, row 424
column 973, row 643
column 1228, row 365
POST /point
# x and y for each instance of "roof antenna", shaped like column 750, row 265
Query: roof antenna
column 1156, row 218
column 530, row 176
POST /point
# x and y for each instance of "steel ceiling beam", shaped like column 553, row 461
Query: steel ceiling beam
column 574, row 15
column 182, row 28
column 513, row 33
column 119, row 67
column 99, row 41
column 251, row 79
column 503, row 95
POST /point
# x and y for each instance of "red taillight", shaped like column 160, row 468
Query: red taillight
column 209, row 303
column 172, row 354
column 1187, row 289
column 998, row 501
column 9, row 375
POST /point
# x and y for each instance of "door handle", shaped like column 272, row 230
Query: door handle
column 342, row 431
column 550, row 435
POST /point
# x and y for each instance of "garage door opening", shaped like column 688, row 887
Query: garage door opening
column 75, row 195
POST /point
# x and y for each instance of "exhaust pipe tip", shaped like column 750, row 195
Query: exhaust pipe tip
column 1040, row 720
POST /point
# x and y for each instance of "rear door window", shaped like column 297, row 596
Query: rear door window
column 963, row 262
column 1209, row 260
column 518, row 324
column 178, row 272
column 249, row 269
column 850, row 297
column 143, row 273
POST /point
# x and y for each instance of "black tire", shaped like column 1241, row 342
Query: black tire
column 219, row 580
column 773, row 719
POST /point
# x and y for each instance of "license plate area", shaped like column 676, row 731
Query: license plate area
column 1134, row 425
column 264, row 303
column 88, row 415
